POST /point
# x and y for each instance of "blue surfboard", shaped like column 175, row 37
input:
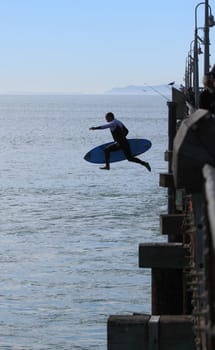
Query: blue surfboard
column 96, row 155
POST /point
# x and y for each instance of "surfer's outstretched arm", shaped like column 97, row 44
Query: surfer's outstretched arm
column 108, row 125
column 95, row 127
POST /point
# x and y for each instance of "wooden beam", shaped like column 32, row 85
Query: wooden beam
column 133, row 332
column 166, row 180
column 176, row 332
column 162, row 255
column 171, row 225
column 128, row 332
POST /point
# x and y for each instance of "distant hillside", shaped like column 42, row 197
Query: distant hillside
column 141, row 90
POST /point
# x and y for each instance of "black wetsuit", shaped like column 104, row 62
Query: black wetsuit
column 119, row 132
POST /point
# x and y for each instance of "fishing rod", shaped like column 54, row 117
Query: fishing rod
column 158, row 92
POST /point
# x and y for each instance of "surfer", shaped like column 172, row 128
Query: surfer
column 119, row 133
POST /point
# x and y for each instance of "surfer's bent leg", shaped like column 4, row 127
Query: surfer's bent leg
column 126, row 149
column 111, row 148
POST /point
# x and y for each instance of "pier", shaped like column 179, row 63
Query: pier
column 183, row 268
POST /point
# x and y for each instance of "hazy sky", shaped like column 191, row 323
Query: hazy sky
column 91, row 46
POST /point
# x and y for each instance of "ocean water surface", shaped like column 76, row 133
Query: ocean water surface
column 69, row 231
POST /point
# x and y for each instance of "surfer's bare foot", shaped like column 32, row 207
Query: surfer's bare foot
column 106, row 167
column 147, row 166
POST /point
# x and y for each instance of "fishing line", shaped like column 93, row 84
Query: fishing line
column 158, row 92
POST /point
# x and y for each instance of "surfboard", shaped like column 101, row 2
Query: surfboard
column 96, row 155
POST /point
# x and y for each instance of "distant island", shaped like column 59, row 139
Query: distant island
column 142, row 90
column 164, row 90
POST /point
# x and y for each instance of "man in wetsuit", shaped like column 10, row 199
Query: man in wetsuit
column 119, row 132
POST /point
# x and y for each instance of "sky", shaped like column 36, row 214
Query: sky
column 92, row 46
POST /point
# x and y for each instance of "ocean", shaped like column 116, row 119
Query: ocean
column 69, row 231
